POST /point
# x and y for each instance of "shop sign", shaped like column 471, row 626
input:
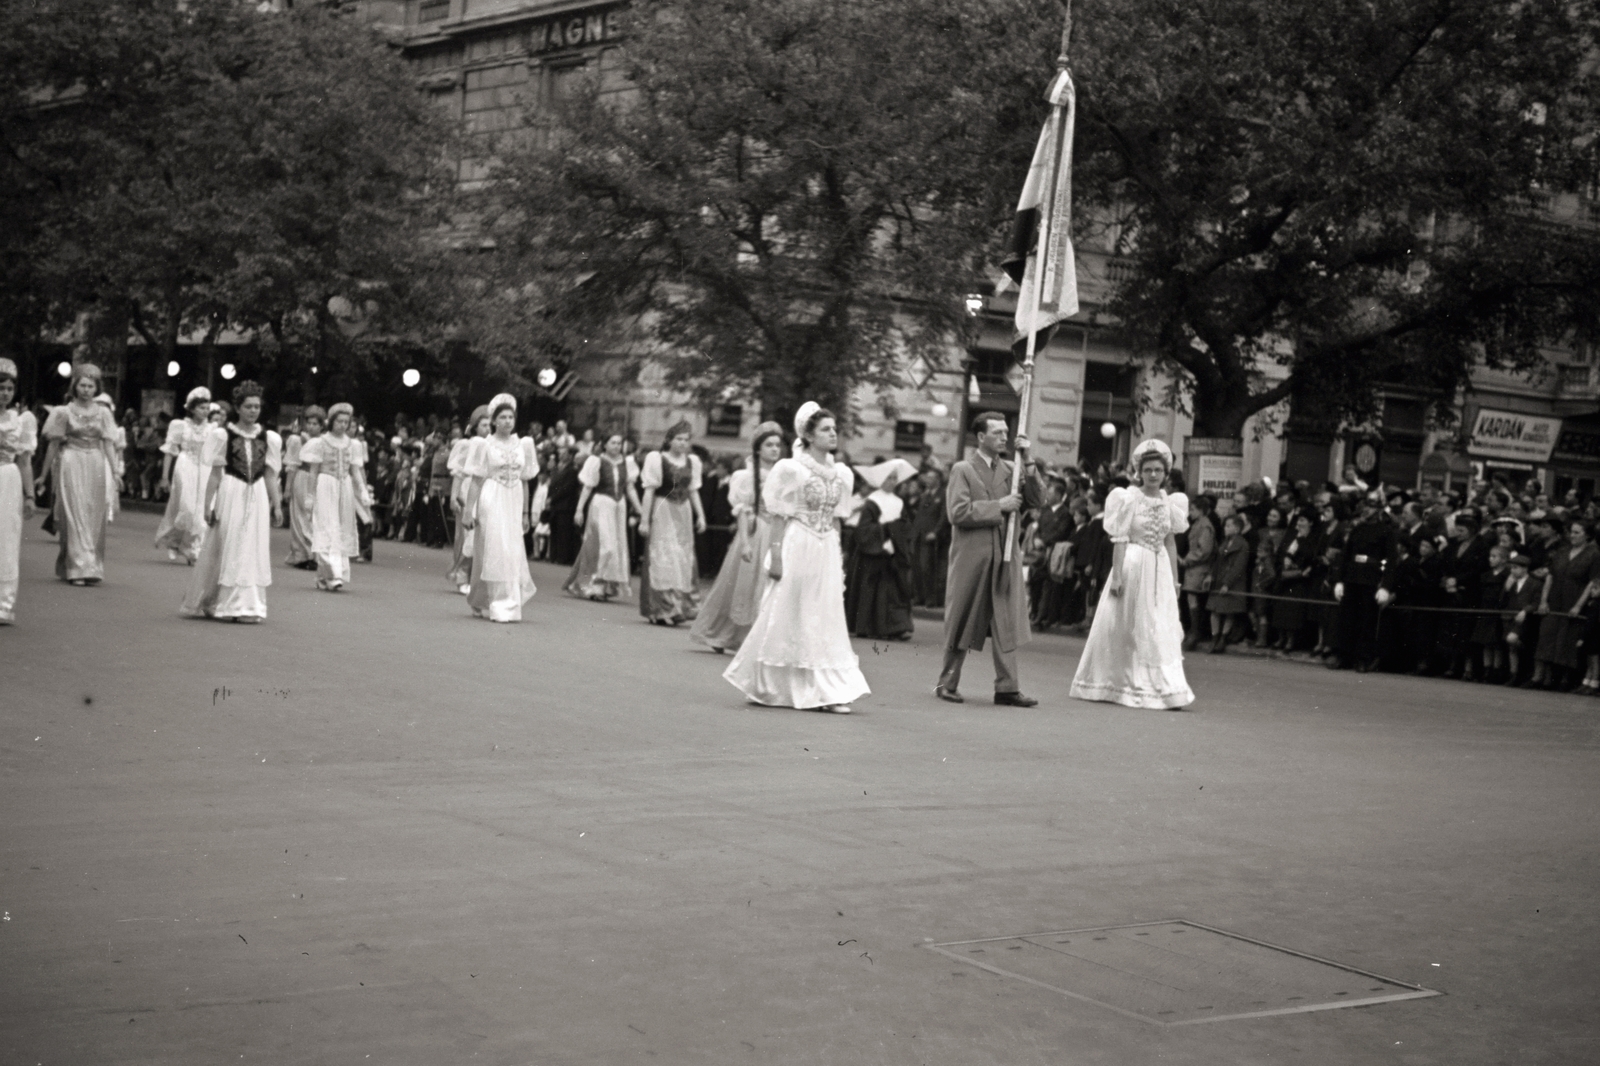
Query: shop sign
column 1220, row 474
column 1518, row 437
column 1576, row 446
column 575, row 31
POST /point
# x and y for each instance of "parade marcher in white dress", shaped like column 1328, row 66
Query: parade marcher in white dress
column 242, row 505
column 18, row 440
column 730, row 608
column 301, row 487
column 116, row 461
column 183, row 526
column 672, row 516
column 336, row 459
column 1134, row 655
column 79, row 462
column 601, row 571
column 798, row 652
column 497, row 513
column 460, row 573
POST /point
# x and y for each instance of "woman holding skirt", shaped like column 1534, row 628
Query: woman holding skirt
column 671, row 517
column 460, row 573
column 301, row 486
column 241, row 507
column 798, row 652
column 731, row 606
column 18, row 438
column 79, row 462
column 601, row 571
column 497, row 513
column 335, row 461
column 183, row 526
column 1134, row 655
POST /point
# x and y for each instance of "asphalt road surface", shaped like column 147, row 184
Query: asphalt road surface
column 375, row 830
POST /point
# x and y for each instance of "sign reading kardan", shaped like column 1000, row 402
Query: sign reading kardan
column 1509, row 435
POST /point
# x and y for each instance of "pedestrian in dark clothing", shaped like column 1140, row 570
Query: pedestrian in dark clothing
column 562, row 504
column 1462, row 566
column 930, row 532
column 1369, row 549
column 1296, row 558
column 712, row 545
column 1485, row 643
column 1520, row 623
column 1230, row 576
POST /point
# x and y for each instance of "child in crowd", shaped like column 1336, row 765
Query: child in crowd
column 1230, row 575
column 1485, row 649
column 1520, row 623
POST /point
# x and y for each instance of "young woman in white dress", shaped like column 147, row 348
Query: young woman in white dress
column 242, row 505
column 116, row 460
column 730, row 608
column 497, row 514
column 301, row 486
column 79, row 462
column 601, row 571
column 19, row 437
column 671, row 517
column 460, row 572
column 1134, row 655
column 335, row 461
column 183, row 525
column 798, row 652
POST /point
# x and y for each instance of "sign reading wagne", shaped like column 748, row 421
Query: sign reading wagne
column 1508, row 435
column 575, row 31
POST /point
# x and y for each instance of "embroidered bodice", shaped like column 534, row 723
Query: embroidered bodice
column 185, row 438
column 808, row 492
column 18, row 434
column 1134, row 518
column 246, row 457
column 78, row 427
column 336, row 457
column 503, row 462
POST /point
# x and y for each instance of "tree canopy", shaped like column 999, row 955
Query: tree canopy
column 792, row 197
column 1350, row 189
column 187, row 166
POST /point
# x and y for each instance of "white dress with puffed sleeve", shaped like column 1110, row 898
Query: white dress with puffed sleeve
column 1134, row 655
column 235, row 567
column 19, row 438
column 501, row 580
column 798, row 652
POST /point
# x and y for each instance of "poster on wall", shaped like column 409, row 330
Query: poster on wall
column 1220, row 474
column 1517, row 437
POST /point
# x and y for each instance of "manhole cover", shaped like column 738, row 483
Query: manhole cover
column 1179, row 973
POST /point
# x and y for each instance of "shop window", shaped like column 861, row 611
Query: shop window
column 433, row 10
column 725, row 420
column 908, row 436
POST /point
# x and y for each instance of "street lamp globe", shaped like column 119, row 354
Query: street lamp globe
column 228, row 371
column 411, row 377
column 547, row 377
column 173, row 368
column 64, row 369
column 940, row 410
column 1108, row 430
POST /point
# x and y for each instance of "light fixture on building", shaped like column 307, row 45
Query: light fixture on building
column 1108, row 430
column 313, row 370
column 939, row 410
column 64, row 369
column 975, row 303
column 228, row 371
column 173, row 368
column 547, row 377
column 410, row 378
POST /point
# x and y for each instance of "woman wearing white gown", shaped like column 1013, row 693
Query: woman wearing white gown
column 301, row 486
column 241, row 507
column 1134, row 655
column 798, row 652
column 183, row 526
column 607, row 477
column 497, row 513
column 730, row 608
column 460, row 572
column 19, row 436
column 335, row 461
column 79, row 463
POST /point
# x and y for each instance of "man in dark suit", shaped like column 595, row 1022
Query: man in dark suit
column 1372, row 548
column 984, row 596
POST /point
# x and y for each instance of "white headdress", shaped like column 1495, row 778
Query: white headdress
column 502, row 399
column 105, row 400
column 195, row 395
column 877, row 475
column 802, row 416
column 7, row 367
column 1157, row 448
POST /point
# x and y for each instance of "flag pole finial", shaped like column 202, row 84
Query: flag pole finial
column 1064, row 61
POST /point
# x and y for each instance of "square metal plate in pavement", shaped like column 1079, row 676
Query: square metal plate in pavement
column 1179, row 972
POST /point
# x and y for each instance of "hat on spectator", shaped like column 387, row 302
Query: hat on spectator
column 8, row 369
column 1520, row 560
column 198, row 394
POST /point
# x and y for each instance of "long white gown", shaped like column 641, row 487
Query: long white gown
column 798, row 652
column 334, row 539
column 85, row 490
column 501, row 580
column 300, row 499
column 230, row 580
column 183, row 526
column 19, row 435
column 1134, row 655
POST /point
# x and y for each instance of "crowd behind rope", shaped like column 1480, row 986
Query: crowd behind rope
column 1496, row 583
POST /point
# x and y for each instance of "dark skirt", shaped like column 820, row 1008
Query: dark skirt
column 1559, row 639
column 876, row 604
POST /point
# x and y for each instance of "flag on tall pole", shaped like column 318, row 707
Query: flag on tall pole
column 1042, row 260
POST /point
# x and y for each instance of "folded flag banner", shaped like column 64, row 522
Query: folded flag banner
column 1042, row 262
